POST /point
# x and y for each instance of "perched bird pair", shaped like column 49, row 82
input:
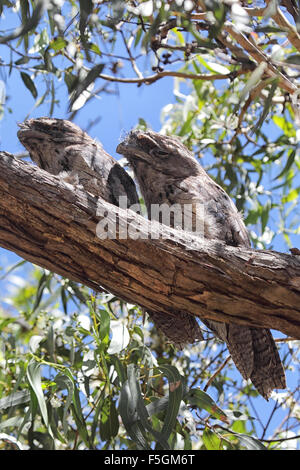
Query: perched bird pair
column 167, row 173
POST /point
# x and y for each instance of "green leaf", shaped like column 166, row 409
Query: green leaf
column 202, row 400
column 269, row 29
column 83, row 85
column 14, row 399
column 29, row 83
column 86, row 7
column 288, row 164
column 138, row 36
column 43, row 283
column 77, row 410
column 265, row 215
column 11, row 268
column 128, row 412
column 141, row 408
column 293, row 59
column 22, row 60
column 254, row 79
column 251, row 443
column 109, row 423
column 175, row 396
column 179, row 36
column 34, row 378
column 64, row 381
column 104, row 327
column 58, row 44
column 293, row 194
column 95, row 49
column 16, row 421
column 268, row 103
column 119, row 368
column 211, row 440
column 28, row 24
column 70, row 80
column 287, row 127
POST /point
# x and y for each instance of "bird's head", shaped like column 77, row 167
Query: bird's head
column 43, row 136
column 163, row 153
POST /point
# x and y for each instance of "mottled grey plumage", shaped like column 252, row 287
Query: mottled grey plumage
column 62, row 148
column 167, row 172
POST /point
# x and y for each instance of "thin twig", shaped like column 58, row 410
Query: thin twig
column 282, row 439
column 285, row 340
column 170, row 73
column 131, row 58
column 216, row 373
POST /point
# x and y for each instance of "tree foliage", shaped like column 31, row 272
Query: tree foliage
column 86, row 371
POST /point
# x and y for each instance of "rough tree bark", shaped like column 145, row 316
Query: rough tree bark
column 53, row 224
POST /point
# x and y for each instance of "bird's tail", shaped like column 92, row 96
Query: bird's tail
column 180, row 328
column 254, row 352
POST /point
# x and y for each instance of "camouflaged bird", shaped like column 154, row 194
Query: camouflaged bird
column 62, row 148
column 168, row 173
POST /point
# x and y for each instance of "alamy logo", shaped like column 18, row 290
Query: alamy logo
column 187, row 217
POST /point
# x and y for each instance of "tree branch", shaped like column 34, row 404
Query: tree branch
column 53, row 224
column 172, row 73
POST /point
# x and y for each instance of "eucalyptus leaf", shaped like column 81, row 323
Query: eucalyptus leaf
column 141, row 409
column 82, row 85
column 64, row 382
column 128, row 412
column 120, row 337
column 109, row 423
column 28, row 82
column 198, row 398
column 14, row 399
column 211, row 440
column 175, row 396
column 34, row 378
column 250, row 442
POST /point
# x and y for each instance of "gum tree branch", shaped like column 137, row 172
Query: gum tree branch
column 172, row 73
column 53, row 224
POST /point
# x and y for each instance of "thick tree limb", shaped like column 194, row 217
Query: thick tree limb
column 53, row 224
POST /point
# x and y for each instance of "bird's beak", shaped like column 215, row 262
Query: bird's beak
column 131, row 151
column 25, row 131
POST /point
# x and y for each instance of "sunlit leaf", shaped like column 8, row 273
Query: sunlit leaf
column 58, row 43
column 211, row 440
column 34, row 378
column 202, row 400
column 291, row 196
column 34, row 342
column 120, row 337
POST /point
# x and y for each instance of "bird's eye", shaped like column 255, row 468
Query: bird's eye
column 157, row 152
